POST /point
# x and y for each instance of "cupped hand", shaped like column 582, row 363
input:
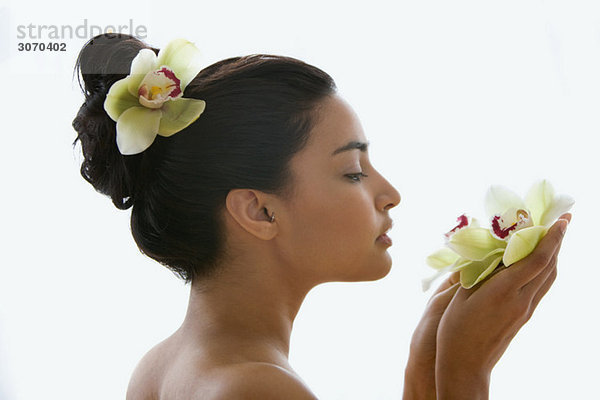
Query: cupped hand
column 419, row 380
column 479, row 323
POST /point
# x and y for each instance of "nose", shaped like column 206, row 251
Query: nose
column 388, row 197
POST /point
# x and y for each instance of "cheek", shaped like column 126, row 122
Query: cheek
column 336, row 231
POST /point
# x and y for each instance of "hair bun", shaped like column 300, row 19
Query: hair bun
column 102, row 61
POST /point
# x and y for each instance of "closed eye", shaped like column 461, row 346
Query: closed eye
column 356, row 177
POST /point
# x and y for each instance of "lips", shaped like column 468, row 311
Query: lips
column 384, row 238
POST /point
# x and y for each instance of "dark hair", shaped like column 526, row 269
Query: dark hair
column 259, row 113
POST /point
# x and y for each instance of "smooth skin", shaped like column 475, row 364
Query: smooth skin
column 234, row 340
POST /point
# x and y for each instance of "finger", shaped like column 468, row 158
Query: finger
column 451, row 280
column 455, row 277
column 543, row 290
column 566, row 216
column 463, row 294
column 447, row 288
column 440, row 300
column 528, row 268
column 534, row 286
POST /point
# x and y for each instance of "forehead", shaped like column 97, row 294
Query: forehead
column 336, row 125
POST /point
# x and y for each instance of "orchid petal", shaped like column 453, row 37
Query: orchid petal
column 476, row 271
column 498, row 199
column 183, row 57
column 118, row 99
column 143, row 63
column 426, row 283
column 474, row 243
column 460, row 264
column 522, row 243
column 559, row 206
column 136, row 129
column 456, row 266
column 442, row 258
column 538, row 199
column 178, row 114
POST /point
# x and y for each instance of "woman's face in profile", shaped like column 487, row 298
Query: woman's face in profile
column 333, row 221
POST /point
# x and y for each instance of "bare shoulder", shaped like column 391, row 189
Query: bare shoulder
column 259, row 380
column 166, row 373
column 144, row 382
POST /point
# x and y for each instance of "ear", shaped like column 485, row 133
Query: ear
column 247, row 207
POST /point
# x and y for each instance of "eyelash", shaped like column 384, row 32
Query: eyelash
column 357, row 175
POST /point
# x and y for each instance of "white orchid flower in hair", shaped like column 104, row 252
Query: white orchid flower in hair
column 516, row 227
column 148, row 102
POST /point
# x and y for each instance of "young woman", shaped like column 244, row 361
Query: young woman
column 268, row 193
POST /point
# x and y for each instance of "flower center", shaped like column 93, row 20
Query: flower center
column 159, row 86
column 511, row 221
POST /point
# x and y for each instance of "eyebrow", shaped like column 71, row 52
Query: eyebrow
column 362, row 146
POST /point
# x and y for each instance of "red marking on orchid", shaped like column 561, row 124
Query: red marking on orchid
column 462, row 222
column 171, row 75
column 498, row 231
column 143, row 91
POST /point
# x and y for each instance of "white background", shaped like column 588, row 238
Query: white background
column 453, row 95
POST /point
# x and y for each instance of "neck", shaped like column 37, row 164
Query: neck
column 247, row 312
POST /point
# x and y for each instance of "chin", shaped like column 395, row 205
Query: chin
column 374, row 270
column 381, row 272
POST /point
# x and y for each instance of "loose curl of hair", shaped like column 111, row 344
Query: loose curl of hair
column 259, row 113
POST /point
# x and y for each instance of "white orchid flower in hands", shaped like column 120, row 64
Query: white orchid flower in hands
column 516, row 227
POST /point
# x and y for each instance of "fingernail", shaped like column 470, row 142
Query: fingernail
column 562, row 225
